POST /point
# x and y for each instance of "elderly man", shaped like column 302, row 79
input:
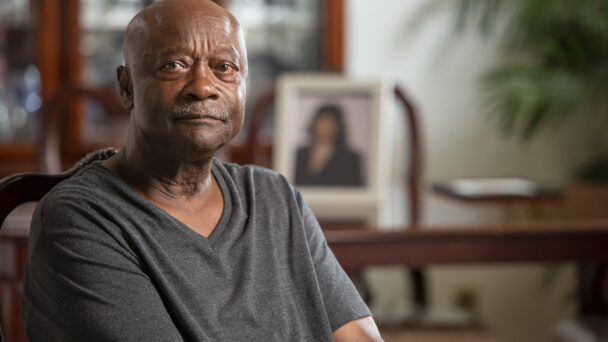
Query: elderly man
column 162, row 242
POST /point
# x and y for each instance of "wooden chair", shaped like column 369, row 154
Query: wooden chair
column 54, row 114
column 31, row 187
column 260, row 154
column 27, row 187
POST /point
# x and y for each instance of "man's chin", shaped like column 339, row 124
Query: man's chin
column 204, row 147
column 193, row 146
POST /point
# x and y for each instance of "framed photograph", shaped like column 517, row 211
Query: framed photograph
column 332, row 141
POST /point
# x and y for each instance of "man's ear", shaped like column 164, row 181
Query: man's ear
column 125, row 86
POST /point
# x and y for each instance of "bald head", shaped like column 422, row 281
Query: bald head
column 171, row 17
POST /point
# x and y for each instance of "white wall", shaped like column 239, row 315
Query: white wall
column 414, row 43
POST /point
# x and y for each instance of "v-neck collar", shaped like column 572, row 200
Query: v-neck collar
column 215, row 233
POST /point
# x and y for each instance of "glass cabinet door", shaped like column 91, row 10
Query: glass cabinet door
column 50, row 46
column 20, row 82
column 281, row 36
column 102, row 23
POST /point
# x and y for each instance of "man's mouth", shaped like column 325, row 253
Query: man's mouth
column 194, row 118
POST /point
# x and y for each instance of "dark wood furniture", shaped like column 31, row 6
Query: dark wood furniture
column 60, row 65
column 56, row 50
column 528, row 240
column 572, row 228
column 551, row 241
column 55, row 113
column 14, row 191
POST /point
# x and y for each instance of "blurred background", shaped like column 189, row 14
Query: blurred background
column 501, row 89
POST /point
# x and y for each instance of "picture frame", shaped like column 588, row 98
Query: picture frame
column 342, row 180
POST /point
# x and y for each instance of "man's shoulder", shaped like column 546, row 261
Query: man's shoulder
column 250, row 172
column 90, row 176
column 76, row 202
column 252, row 181
column 87, row 186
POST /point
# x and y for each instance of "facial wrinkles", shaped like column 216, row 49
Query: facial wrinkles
column 205, row 47
column 214, row 36
column 148, row 91
column 198, row 30
column 200, row 37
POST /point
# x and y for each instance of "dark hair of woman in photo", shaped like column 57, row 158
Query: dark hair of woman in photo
column 327, row 160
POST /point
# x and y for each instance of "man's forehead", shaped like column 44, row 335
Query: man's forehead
column 187, row 23
column 171, row 13
column 179, row 41
column 169, row 27
column 167, row 30
column 171, row 48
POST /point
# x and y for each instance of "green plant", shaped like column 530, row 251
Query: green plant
column 557, row 65
column 561, row 63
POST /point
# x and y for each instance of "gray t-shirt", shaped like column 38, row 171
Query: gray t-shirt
column 107, row 265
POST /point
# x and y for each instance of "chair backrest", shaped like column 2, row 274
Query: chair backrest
column 29, row 187
column 32, row 186
column 54, row 112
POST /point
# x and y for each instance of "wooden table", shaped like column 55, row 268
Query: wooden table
column 573, row 227
column 549, row 241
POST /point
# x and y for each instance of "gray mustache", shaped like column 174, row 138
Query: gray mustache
column 190, row 109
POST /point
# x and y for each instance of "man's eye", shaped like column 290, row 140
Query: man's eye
column 173, row 66
column 226, row 67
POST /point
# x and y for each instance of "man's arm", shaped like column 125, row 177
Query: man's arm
column 363, row 329
column 349, row 316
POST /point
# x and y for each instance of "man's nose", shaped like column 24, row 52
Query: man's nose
column 202, row 85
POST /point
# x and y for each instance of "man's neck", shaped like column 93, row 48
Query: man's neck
column 185, row 190
column 162, row 176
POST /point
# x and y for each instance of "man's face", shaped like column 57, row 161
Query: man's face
column 188, row 75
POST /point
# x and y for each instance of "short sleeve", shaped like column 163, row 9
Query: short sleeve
column 340, row 297
column 83, row 284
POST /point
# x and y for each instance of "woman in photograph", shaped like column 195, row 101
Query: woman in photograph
column 327, row 159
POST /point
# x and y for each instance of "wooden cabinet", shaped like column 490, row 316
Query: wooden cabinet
column 38, row 60
column 20, row 82
column 47, row 46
